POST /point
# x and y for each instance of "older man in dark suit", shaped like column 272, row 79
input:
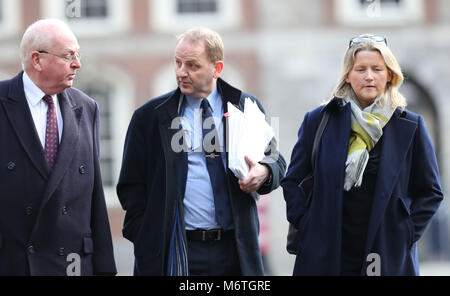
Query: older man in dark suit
column 53, row 217
column 186, row 211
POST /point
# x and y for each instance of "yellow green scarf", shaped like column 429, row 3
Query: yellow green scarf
column 366, row 129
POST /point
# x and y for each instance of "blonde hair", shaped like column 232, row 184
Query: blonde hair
column 213, row 43
column 343, row 88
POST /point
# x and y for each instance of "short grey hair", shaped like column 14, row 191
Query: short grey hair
column 37, row 37
column 213, row 43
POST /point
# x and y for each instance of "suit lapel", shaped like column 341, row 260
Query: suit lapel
column 71, row 114
column 19, row 115
column 170, row 131
column 397, row 138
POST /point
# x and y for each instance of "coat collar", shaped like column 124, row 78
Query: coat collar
column 335, row 104
column 228, row 93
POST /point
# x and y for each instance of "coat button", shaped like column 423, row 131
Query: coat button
column 11, row 165
column 31, row 249
column 61, row 251
column 82, row 169
column 64, row 210
column 29, row 211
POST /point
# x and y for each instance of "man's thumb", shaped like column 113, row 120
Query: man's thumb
column 249, row 161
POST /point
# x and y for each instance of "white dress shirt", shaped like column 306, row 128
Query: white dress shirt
column 38, row 108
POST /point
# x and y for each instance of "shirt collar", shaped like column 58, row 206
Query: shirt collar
column 214, row 100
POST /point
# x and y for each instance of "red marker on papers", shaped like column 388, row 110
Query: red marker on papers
column 226, row 114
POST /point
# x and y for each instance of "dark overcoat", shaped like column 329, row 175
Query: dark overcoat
column 47, row 215
column 153, row 178
column 407, row 193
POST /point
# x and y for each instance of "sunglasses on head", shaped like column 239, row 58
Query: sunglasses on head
column 360, row 39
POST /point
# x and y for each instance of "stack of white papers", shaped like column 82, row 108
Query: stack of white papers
column 249, row 134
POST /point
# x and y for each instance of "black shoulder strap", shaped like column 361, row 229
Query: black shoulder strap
column 318, row 136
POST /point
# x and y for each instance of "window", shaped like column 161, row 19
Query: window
column 176, row 15
column 9, row 17
column 382, row 2
column 196, row 6
column 86, row 9
column 90, row 17
column 94, row 8
column 379, row 12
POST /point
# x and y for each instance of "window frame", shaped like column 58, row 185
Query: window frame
column 117, row 20
column 215, row 1
column 164, row 16
column 351, row 12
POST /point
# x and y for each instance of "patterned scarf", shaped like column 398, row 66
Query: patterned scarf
column 177, row 261
column 366, row 129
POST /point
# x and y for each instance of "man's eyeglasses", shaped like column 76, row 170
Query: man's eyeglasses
column 360, row 39
column 69, row 58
